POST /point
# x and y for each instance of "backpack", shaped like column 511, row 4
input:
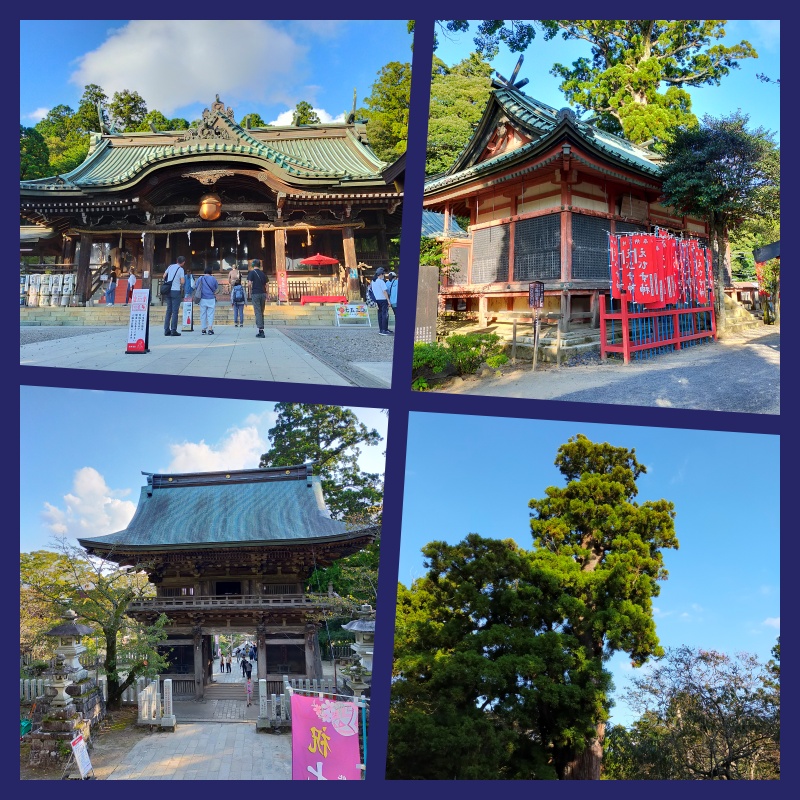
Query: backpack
column 371, row 297
column 198, row 290
column 166, row 285
column 237, row 295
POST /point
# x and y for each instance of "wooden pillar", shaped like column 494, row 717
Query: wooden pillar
column 483, row 308
column 594, row 304
column 563, row 323
column 350, row 263
column 84, row 288
column 148, row 258
column 199, row 665
column 280, row 251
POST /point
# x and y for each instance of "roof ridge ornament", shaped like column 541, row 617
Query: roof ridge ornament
column 508, row 83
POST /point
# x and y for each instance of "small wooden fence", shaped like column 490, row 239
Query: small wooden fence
column 636, row 331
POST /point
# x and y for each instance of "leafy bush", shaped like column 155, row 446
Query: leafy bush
column 495, row 361
column 469, row 351
column 434, row 357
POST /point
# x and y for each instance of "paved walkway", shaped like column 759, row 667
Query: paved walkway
column 229, row 353
column 208, row 751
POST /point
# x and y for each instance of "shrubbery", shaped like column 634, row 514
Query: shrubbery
column 461, row 354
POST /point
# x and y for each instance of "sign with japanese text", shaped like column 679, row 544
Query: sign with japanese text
column 139, row 327
column 357, row 311
column 283, row 286
column 536, row 294
column 81, row 755
column 186, row 315
column 324, row 740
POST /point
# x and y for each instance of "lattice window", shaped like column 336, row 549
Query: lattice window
column 590, row 247
column 490, row 254
column 459, row 258
column 630, row 227
column 537, row 248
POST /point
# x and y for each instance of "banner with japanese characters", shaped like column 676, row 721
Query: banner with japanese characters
column 324, row 739
column 138, row 328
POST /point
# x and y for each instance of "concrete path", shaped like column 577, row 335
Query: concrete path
column 208, row 751
column 229, row 353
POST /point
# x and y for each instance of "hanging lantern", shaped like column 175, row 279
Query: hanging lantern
column 212, row 238
column 210, row 207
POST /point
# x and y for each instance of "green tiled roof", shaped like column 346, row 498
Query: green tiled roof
column 275, row 506
column 321, row 154
column 544, row 125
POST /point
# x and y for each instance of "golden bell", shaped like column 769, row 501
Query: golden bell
column 210, row 207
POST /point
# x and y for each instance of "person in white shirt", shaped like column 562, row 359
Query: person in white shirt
column 381, row 294
column 131, row 287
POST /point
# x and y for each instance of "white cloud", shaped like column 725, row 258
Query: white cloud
column 91, row 509
column 175, row 63
column 240, row 449
column 38, row 115
column 772, row 622
column 285, row 117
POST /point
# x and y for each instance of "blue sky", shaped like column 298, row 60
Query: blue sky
column 178, row 66
column 80, row 481
column 723, row 589
column 740, row 89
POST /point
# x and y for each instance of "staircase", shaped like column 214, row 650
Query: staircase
column 118, row 314
column 228, row 691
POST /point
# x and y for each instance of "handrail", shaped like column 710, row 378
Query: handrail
column 231, row 601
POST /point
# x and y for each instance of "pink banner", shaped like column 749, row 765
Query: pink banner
column 324, row 740
column 283, row 286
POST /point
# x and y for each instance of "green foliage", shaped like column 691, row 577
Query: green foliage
column 34, row 157
column 490, row 34
column 432, row 252
column 156, row 119
column 304, row 114
column 430, row 355
column 387, row 110
column 87, row 118
column 634, row 81
column 99, row 592
column 704, row 716
column 496, row 361
column 66, row 143
column 468, row 351
column 500, row 652
column 254, row 120
column 331, row 437
column 128, row 110
column 458, row 98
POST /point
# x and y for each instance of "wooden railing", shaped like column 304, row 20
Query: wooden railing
column 229, row 601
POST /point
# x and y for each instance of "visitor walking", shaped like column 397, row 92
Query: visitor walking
column 378, row 287
column 174, row 275
column 258, row 294
column 248, row 669
column 188, row 283
column 111, row 287
column 228, row 665
column 208, row 288
column 131, row 287
column 233, row 276
column 249, row 690
column 391, row 285
column 245, row 666
column 237, row 301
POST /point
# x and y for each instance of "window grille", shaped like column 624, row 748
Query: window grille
column 537, row 248
column 630, row 227
column 490, row 254
column 590, row 247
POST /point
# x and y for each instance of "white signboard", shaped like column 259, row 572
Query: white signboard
column 186, row 316
column 81, row 755
column 357, row 311
column 138, row 329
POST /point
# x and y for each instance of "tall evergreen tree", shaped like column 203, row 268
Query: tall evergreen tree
column 387, row 109
column 304, row 114
column 34, row 156
column 127, row 110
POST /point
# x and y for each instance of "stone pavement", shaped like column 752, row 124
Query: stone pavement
column 229, row 353
column 208, row 751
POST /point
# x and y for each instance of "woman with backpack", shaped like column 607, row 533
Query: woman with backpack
column 208, row 288
column 237, row 301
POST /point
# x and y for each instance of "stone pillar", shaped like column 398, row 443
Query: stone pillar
column 261, row 647
column 199, row 665
column 84, row 287
column 313, row 660
column 350, row 263
column 148, row 258
column 168, row 719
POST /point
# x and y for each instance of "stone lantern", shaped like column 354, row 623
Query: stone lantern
column 360, row 676
column 66, row 667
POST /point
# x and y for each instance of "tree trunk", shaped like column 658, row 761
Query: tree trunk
column 585, row 766
column 717, row 259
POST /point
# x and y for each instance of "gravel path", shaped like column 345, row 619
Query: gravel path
column 340, row 347
column 29, row 334
column 738, row 374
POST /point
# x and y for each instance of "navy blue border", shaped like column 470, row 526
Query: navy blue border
column 400, row 400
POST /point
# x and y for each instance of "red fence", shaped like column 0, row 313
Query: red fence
column 664, row 290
